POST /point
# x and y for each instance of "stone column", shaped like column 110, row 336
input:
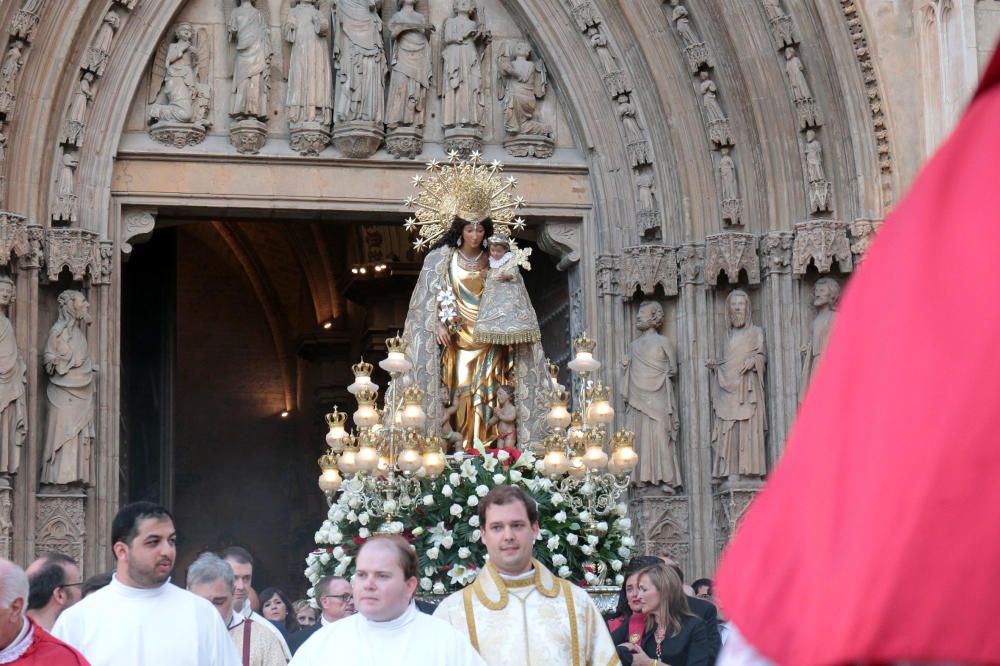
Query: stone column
column 780, row 317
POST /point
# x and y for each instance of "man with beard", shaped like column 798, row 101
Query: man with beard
column 141, row 618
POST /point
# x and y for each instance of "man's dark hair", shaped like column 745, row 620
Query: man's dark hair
column 238, row 554
column 125, row 526
column 322, row 586
column 44, row 583
column 505, row 494
column 94, row 583
column 702, row 582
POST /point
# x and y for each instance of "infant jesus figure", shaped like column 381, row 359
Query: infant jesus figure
column 505, row 313
column 505, row 418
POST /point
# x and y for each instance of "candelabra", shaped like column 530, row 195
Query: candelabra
column 575, row 455
column 380, row 465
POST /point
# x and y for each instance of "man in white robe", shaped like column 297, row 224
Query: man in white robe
column 241, row 562
column 517, row 612
column 141, row 618
column 388, row 628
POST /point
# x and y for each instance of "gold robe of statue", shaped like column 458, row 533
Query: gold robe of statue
column 524, row 622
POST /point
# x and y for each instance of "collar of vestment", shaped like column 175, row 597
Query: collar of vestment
column 130, row 592
column 394, row 624
column 20, row 644
column 491, row 588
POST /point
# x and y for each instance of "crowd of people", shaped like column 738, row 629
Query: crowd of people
column 515, row 612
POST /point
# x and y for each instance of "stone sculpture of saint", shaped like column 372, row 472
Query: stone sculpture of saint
column 644, row 184
column 309, row 98
column 796, row 76
column 11, row 65
column 650, row 402
column 13, row 382
column 252, row 69
column 69, row 435
column 73, row 131
column 600, row 44
column 359, row 58
column 462, row 77
column 773, row 9
column 411, row 67
column 738, row 398
column 627, row 112
column 524, row 83
column 826, row 293
column 65, row 185
column 100, row 49
column 727, row 174
column 175, row 101
column 683, row 25
column 709, row 98
column 814, row 158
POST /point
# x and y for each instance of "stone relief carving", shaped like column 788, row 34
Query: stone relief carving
column 127, row 4
column 820, row 189
column 728, row 509
column 805, row 104
column 409, row 82
column 179, row 114
column 464, row 42
column 695, row 50
column 308, row 96
column 3, row 142
column 776, row 252
column 26, row 20
column 72, row 134
column 647, row 211
column 13, row 386
column 635, row 134
column 13, row 236
column 69, row 435
column 96, row 58
column 666, row 520
column 821, row 242
column 75, row 249
column 782, row 28
column 585, row 15
column 6, row 520
column 359, row 91
column 614, row 77
column 730, row 252
column 718, row 125
column 523, row 83
column 563, row 240
column 10, row 70
column 137, row 226
column 60, row 522
column 650, row 402
column 608, row 266
column 730, row 203
column 738, row 398
column 249, row 104
column 691, row 263
column 862, row 234
column 826, row 293
column 64, row 209
column 643, row 267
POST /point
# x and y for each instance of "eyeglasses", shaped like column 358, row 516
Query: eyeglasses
column 344, row 598
column 71, row 584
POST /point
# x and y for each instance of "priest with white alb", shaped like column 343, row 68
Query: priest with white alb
column 141, row 618
column 388, row 628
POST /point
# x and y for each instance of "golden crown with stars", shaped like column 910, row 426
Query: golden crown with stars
column 464, row 189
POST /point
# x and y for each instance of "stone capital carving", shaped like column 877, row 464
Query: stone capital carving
column 59, row 524
column 26, row 20
column 862, row 234
column 691, row 263
column 776, row 252
column 645, row 266
column 728, row 509
column 821, row 242
column 6, row 519
column 608, row 267
column 730, row 252
column 563, row 240
column 137, row 226
column 75, row 249
column 667, row 520
column 13, row 237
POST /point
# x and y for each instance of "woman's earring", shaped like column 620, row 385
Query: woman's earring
column 484, row 243
column 458, row 242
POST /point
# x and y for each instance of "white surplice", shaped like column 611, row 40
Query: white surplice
column 413, row 638
column 164, row 626
column 249, row 613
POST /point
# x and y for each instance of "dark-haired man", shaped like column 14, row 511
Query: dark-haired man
column 388, row 628
column 517, row 611
column 141, row 618
column 54, row 586
column 241, row 562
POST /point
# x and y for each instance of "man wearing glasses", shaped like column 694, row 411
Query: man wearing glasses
column 336, row 602
column 54, row 585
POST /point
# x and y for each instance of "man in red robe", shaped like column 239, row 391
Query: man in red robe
column 22, row 641
column 876, row 540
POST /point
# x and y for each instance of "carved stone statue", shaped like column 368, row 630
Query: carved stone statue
column 410, row 80
column 69, row 433
column 738, row 398
column 796, row 76
column 814, row 158
column 464, row 41
column 730, row 187
column 650, row 402
column 718, row 124
column 683, row 25
column 359, row 94
column 96, row 58
column 65, row 206
column 24, row 22
column 179, row 113
column 826, row 293
column 773, row 9
column 523, row 83
column 635, row 135
column 13, row 382
column 614, row 78
column 309, row 97
column 9, row 70
column 249, row 105
column 72, row 134
column 644, row 185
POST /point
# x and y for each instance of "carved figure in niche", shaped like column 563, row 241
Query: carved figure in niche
column 96, row 58
column 814, row 158
column 252, row 70
column 604, row 55
column 411, row 67
column 181, row 98
column 448, row 409
column 465, row 40
column 630, row 120
column 650, row 402
column 796, row 76
column 738, row 398
column 709, row 97
column 13, row 382
column 727, row 176
column 66, row 185
column 773, row 9
column 683, row 25
column 360, row 61
column 12, row 62
column 309, row 98
column 644, row 185
column 505, row 419
column 826, row 293
column 69, row 433
column 73, row 131
column 524, row 82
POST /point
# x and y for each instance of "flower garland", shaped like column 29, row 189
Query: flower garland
column 444, row 528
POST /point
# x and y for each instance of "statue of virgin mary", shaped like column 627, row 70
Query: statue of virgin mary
column 459, row 205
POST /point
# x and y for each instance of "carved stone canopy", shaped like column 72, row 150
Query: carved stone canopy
column 821, row 242
column 644, row 267
column 728, row 253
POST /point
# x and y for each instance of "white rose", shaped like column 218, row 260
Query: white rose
column 439, row 588
column 426, row 584
column 584, row 516
column 586, row 550
column 558, row 559
column 503, row 456
column 593, row 539
column 428, row 500
column 557, row 499
column 474, row 521
column 563, row 572
column 553, row 542
column 616, row 565
column 325, row 558
column 628, row 541
column 515, row 476
column 455, row 510
column 352, row 517
column 338, row 552
column 476, row 534
column 447, row 542
column 363, row 533
column 363, row 518
column 338, row 516
column 621, row 509
column 446, row 490
column 482, row 490
column 624, row 523
column 572, row 539
column 624, row 551
column 602, row 526
column 473, row 500
column 432, row 553
column 354, row 502
column 589, row 577
column 560, row 517
column 320, row 537
column 454, row 479
column 340, row 570
column 619, row 579
column 464, row 553
column 499, row 478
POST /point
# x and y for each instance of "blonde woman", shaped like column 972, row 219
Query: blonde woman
column 673, row 635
